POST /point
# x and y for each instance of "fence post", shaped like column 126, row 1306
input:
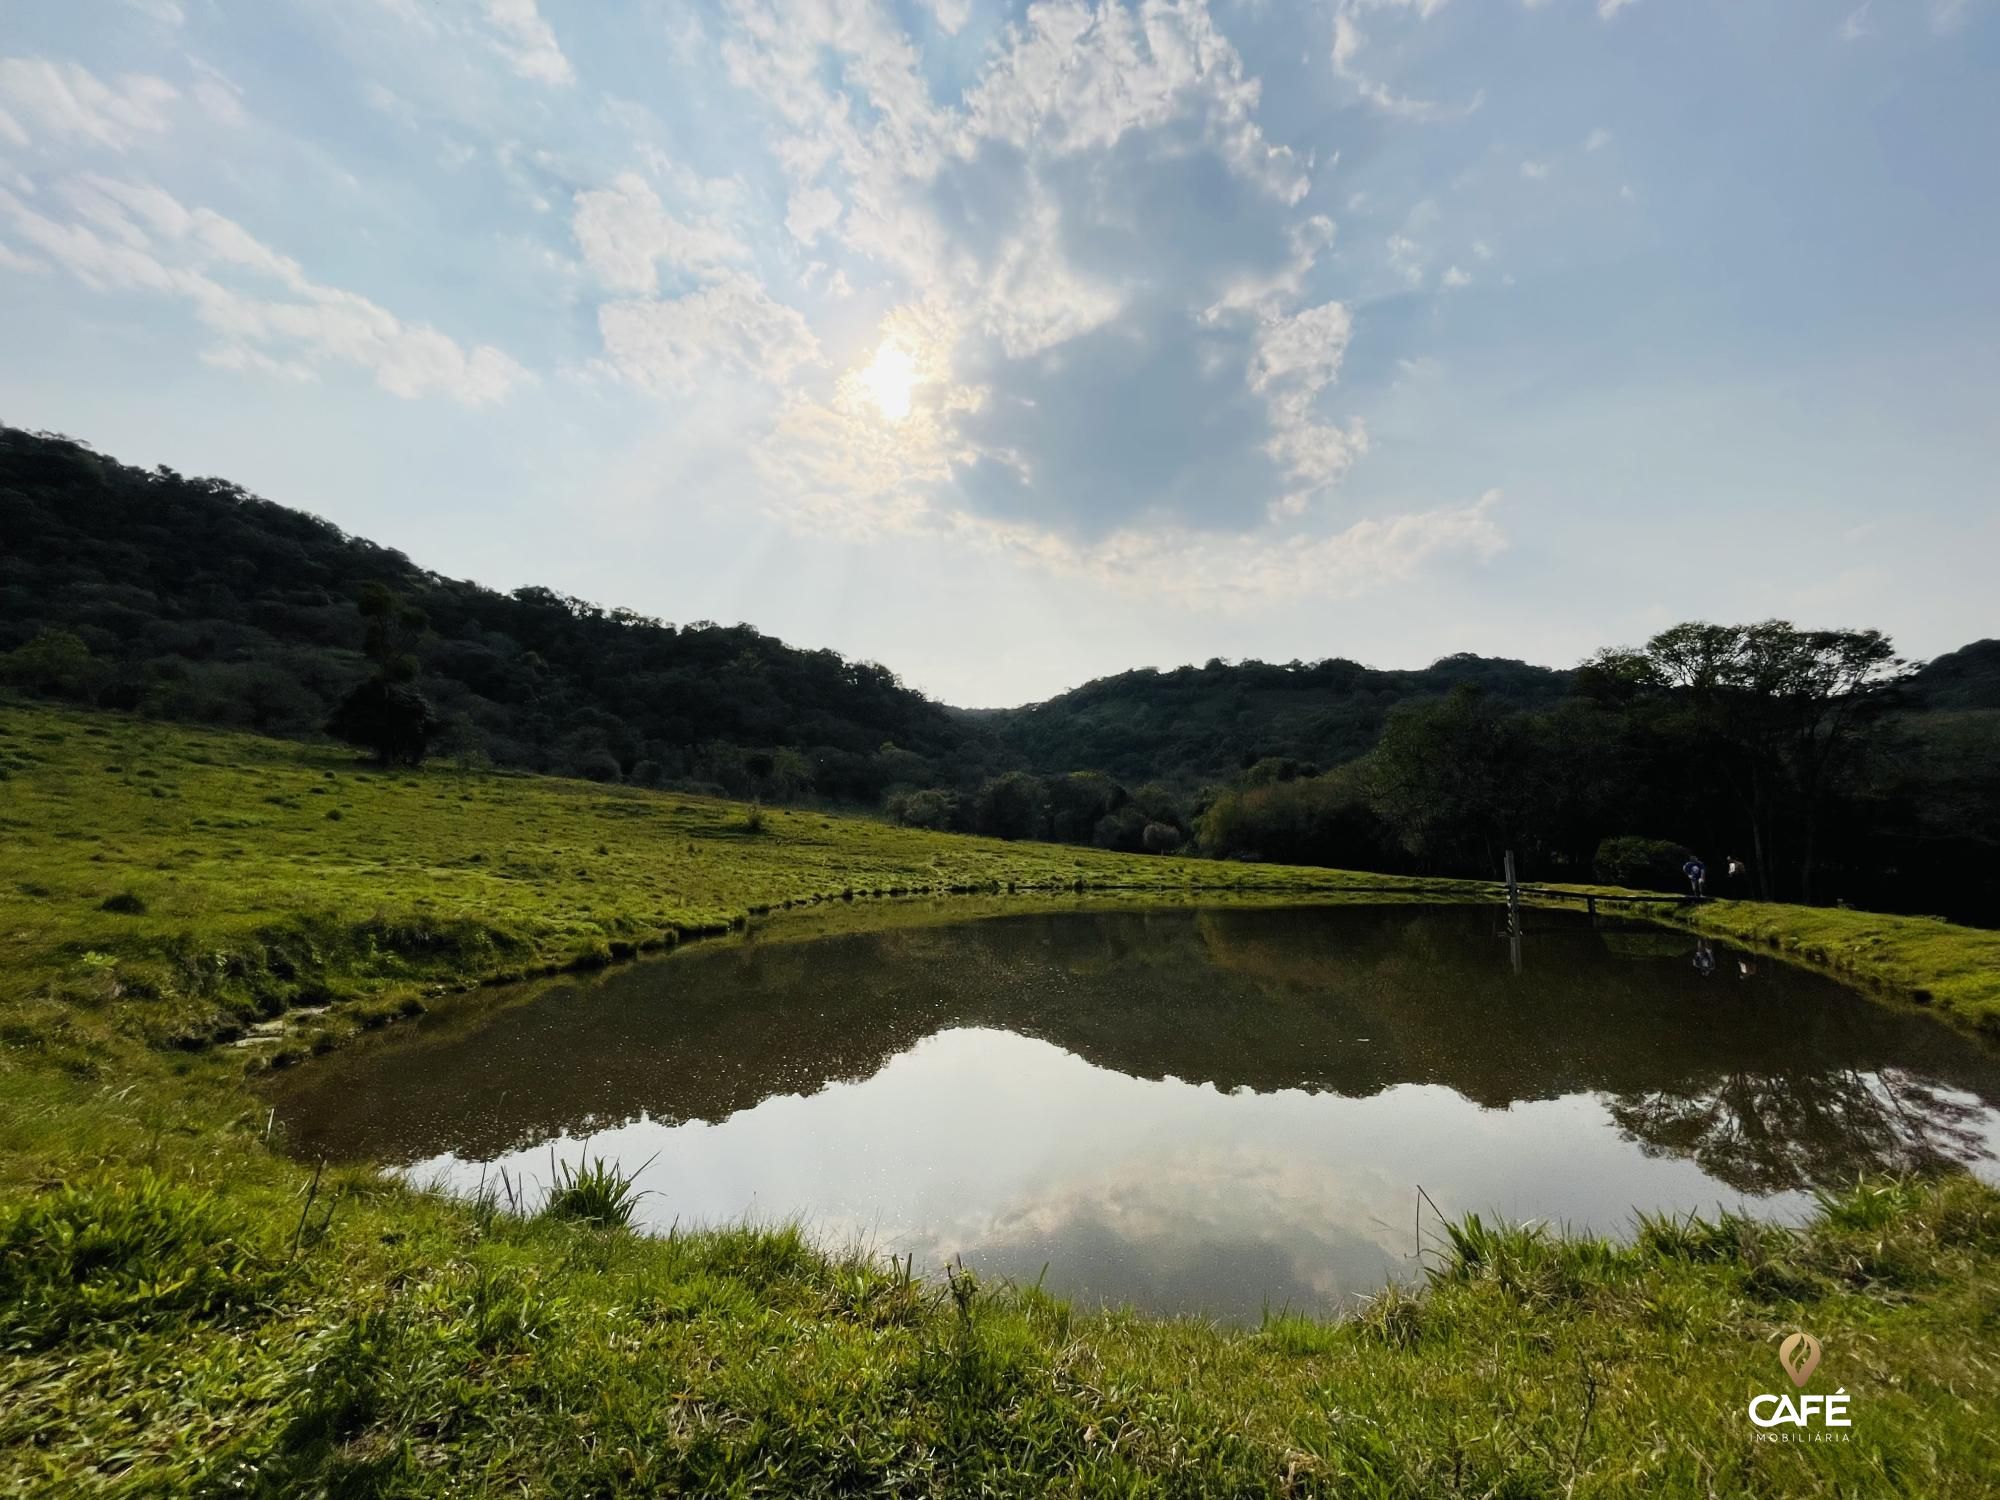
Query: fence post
column 1513, row 913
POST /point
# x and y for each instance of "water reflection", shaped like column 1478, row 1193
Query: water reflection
column 1214, row 1110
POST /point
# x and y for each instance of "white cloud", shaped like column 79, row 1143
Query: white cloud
column 1229, row 574
column 1234, row 574
column 1597, row 140
column 1455, row 278
column 812, row 212
column 1296, row 358
column 527, row 42
column 218, row 98
column 166, row 12
column 624, row 231
column 1406, row 256
column 68, row 101
column 1534, row 171
column 1855, row 27
column 732, row 324
column 134, row 237
column 1076, row 79
column 25, row 265
column 950, row 15
column 1606, row 9
column 1348, row 40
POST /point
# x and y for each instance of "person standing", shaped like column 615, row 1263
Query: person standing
column 1697, row 876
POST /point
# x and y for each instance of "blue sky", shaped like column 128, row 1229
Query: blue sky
column 1014, row 345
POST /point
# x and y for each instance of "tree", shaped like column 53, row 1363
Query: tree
column 1779, row 713
column 1078, row 802
column 392, row 719
column 926, row 809
column 56, row 662
column 392, row 629
column 1447, row 777
column 1011, row 807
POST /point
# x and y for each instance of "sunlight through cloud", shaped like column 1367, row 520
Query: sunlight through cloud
column 891, row 380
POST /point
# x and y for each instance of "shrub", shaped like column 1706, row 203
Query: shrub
column 596, row 765
column 930, row 808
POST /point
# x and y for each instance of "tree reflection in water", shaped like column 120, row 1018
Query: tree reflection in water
column 1765, row 1133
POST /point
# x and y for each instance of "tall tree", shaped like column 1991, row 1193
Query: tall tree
column 1780, row 713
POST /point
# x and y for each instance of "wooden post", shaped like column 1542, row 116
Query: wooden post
column 1591, row 901
column 1513, row 913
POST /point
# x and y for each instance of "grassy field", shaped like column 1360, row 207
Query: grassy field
column 182, row 1311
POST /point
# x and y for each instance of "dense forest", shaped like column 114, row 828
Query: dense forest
column 1195, row 724
column 1832, row 769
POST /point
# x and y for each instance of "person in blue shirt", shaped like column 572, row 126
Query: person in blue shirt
column 1697, row 874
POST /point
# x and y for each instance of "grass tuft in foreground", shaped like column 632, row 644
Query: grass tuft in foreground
column 592, row 1192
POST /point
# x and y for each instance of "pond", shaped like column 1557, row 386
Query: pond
column 1212, row 1111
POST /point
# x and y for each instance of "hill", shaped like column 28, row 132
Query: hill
column 192, row 599
column 1968, row 678
column 1198, row 724
column 195, row 600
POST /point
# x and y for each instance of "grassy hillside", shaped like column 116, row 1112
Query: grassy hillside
column 182, row 1311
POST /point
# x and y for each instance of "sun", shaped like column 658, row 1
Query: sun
column 890, row 379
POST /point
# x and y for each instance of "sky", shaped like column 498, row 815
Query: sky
column 1012, row 346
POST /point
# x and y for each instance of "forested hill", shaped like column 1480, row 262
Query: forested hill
column 1197, row 724
column 195, row 600
column 192, row 599
column 1968, row 678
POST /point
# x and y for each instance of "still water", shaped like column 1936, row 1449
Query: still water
column 1212, row 1111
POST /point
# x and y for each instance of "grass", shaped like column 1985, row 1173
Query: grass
column 185, row 1312
column 1925, row 959
column 592, row 1191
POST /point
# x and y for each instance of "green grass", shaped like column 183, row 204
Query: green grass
column 184, row 1312
column 1925, row 959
